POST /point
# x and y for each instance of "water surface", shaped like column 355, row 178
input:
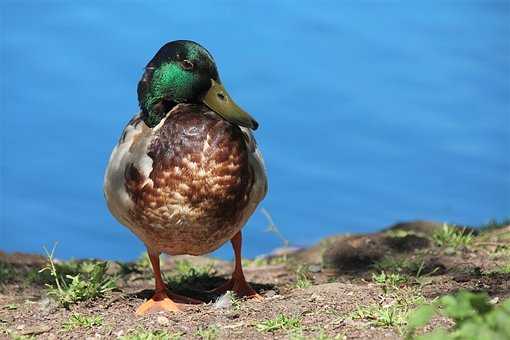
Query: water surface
column 370, row 112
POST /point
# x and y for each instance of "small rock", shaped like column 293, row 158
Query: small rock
column 36, row 330
column 449, row 251
column 314, row 268
column 162, row 320
column 270, row 293
column 494, row 300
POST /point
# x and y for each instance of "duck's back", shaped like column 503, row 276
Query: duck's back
column 185, row 186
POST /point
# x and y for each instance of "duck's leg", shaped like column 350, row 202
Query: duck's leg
column 161, row 301
column 238, row 283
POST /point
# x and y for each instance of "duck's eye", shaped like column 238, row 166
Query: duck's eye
column 221, row 96
column 186, row 64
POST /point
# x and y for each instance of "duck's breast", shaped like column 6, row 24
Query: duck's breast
column 197, row 193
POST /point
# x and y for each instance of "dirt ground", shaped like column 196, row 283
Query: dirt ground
column 328, row 290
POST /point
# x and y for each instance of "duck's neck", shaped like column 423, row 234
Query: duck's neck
column 158, row 112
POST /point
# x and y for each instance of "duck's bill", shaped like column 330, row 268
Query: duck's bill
column 218, row 100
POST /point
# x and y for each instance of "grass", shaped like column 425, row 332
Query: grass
column 393, row 310
column 389, row 280
column 265, row 261
column 495, row 224
column 303, row 277
column 323, row 336
column 209, row 333
column 234, row 300
column 473, row 314
column 502, row 269
column 280, row 322
column 381, row 315
column 6, row 272
column 15, row 336
column 451, row 237
column 185, row 274
column 412, row 266
column 78, row 320
column 143, row 262
column 11, row 306
column 151, row 335
column 90, row 281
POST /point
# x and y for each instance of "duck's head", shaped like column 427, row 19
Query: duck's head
column 184, row 72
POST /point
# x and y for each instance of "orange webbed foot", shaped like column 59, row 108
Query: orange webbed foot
column 158, row 303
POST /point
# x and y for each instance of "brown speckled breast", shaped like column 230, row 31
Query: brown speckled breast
column 201, row 181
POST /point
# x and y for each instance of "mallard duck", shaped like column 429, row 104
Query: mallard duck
column 186, row 173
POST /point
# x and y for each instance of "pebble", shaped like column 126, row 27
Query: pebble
column 494, row 300
column 162, row 320
column 36, row 330
column 315, row 268
column 269, row 293
column 449, row 251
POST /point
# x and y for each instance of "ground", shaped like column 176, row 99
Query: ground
column 354, row 287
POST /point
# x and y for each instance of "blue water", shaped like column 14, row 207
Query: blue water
column 370, row 112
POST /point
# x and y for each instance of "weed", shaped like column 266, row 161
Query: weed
column 449, row 236
column 35, row 276
column 91, row 281
column 303, row 277
column 151, row 335
column 474, row 316
column 272, row 228
column 280, row 322
column 77, row 320
column 209, row 333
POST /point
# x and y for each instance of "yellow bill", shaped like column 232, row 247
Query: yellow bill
column 218, row 100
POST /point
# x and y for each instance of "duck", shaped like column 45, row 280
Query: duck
column 186, row 173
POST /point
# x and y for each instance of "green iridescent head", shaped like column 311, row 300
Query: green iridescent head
column 184, row 72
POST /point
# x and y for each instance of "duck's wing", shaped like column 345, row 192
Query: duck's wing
column 130, row 150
